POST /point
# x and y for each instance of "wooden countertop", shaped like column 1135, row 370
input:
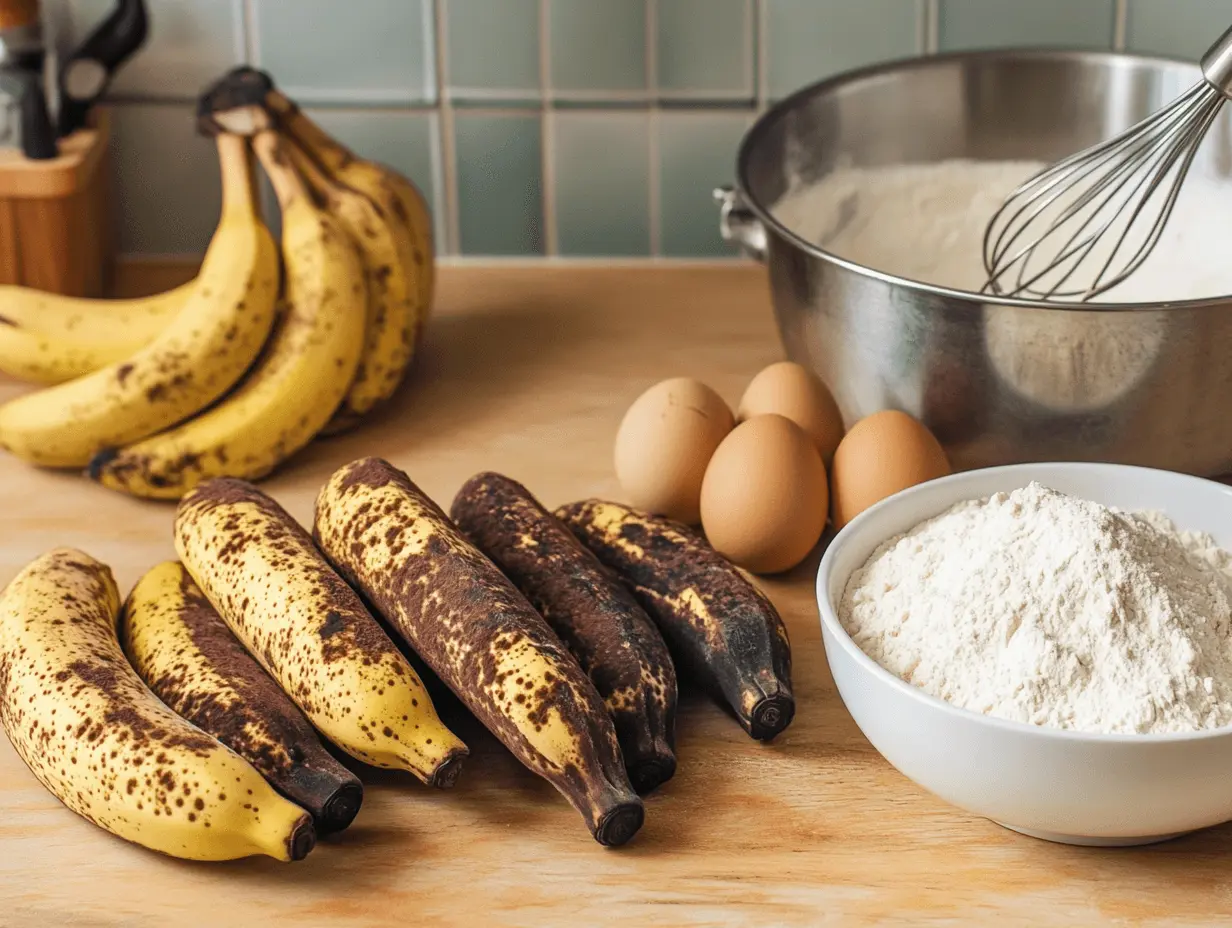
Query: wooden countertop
column 527, row 371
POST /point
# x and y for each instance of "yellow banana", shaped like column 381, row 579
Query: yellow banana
column 104, row 745
column 197, row 358
column 310, row 630
column 191, row 660
column 297, row 383
column 393, row 308
column 48, row 339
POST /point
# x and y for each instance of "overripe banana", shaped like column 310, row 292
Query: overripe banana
column 103, row 744
column 310, row 630
column 481, row 637
column 46, row 338
column 720, row 628
column 300, row 378
column 597, row 618
column 184, row 651
column 198, row 357
column 393, row 310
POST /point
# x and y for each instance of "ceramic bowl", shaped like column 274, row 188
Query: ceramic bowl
column 1071, row 787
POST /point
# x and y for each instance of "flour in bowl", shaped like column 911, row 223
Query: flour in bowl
column 925, row 222
column 1052, row 610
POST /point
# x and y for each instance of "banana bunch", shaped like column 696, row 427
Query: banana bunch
column 233, row 373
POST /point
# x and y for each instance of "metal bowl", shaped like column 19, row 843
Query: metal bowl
column 999, row 381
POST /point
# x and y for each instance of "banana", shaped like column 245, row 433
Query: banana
column 394, row 194
column 310, row 631
column 197, row 358
column 298, row 382
column 46, row 338
column 103, row 744
column 189, row 658
column 481, row 637
column 393, row 309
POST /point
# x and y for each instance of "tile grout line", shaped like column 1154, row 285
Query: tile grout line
column 1120, row 21
column 762, row 39
column 447, row 148
column 749, row 63
column 547, row 135
column 932, row 26
column 653, row 174
column 248, row 24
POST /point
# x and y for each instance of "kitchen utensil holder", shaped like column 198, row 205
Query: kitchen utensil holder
column 55, row 224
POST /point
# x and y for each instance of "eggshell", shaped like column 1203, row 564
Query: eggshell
column 664, row 444
column 797, row 393
column 883, row 453
column 764, row 498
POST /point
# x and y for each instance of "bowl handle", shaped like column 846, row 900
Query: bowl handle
column 738, row 224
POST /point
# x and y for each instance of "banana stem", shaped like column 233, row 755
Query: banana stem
column 324, row 148
column 311, row 172
column 289, row 186
column 238, row 180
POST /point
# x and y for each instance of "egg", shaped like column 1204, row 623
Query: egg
column 882, row 454
column 765, row 497
column 664, row 443
column 797, row 393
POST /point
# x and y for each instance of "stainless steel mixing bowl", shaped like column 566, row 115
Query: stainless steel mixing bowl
column 999, row 380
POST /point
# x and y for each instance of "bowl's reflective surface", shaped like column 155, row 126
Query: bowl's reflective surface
column 998, row 381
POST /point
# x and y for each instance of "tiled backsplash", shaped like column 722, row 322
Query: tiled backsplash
column 558, row 127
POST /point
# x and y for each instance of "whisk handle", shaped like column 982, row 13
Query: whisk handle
column 1217, row 64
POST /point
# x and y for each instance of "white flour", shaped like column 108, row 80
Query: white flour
column 925, row 222
column 1053, row 610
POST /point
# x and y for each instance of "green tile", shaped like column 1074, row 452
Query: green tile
column 190, row 43
column 598, row 48
column 697, row 152
column 500, row 183
column 493, row 49
column 602, row 167
column 1000, row 23
column 358, row 51
column 1179, row 28
column 165, row 180
column 808, row 40
column 705, row 49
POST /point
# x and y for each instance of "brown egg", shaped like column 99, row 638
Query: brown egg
column 797, row 393
column 882, row 454
column 764, row 498
column 664, row 444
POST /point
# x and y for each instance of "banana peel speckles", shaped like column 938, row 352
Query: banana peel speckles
column 310, row 631
column 480, row 636
column 102, row 743
column 718, row 625
column 611, row 636
column 184, row 651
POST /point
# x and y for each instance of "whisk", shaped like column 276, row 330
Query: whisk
column 1105, row 207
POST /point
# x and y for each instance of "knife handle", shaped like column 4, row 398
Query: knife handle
column 85, row 75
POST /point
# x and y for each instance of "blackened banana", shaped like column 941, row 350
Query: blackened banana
column 718, row 625
column 598, row 619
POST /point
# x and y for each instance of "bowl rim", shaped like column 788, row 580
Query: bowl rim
column 830, row 622
column 761, row 126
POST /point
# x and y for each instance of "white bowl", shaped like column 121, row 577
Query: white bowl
column 1072, row 787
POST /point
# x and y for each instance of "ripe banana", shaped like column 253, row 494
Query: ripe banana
column 91, row 732
column 189, row 658
column 393, row 310
column 309, row 629
column 197, row 358
column 299, row 380
column 46, row 338
column 396, row 196
column 480, row 636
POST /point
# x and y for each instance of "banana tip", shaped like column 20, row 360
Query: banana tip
column 302, row 840
column 341, row 808
column 771, row 715
column 446, row 775
column 99, row 462
column 651, row 773
column 620, row 824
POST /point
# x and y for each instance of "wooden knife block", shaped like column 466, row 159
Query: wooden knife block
column 55, row 227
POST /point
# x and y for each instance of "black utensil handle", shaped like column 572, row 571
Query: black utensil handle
column 97, row 59
column 38, row 137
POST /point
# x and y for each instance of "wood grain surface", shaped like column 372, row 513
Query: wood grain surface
column 527, row 371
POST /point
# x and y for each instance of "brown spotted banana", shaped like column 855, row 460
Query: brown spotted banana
column 310, row 631
column 103, row 744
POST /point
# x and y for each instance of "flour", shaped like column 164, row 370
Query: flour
column 1056, row 611
column 925, row 222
